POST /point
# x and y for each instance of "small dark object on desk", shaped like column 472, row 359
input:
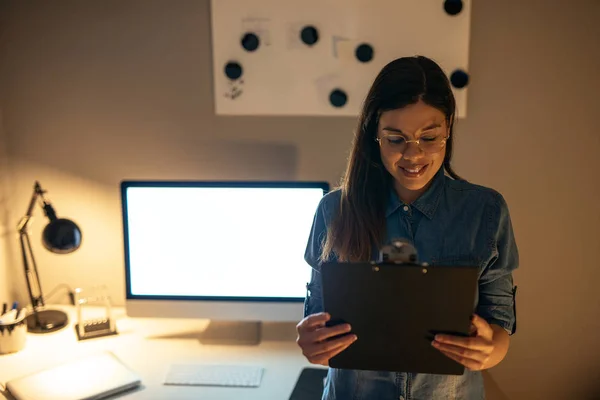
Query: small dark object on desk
column 310, row 384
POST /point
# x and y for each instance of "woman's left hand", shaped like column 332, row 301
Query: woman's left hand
column 473, row 352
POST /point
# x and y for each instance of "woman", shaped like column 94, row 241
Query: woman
column 399, row 183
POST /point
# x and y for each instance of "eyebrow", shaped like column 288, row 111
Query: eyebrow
column 428, row 127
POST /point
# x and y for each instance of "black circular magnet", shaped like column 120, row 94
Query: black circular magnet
column 364, row 52
column 250, row 41
column 233, row 70
column 309, row 35
column 459, row 79
column 338, row 98
column 453, row 7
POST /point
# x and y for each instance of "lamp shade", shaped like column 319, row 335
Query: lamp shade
column 61, row 236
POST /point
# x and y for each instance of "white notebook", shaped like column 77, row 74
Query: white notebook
column 89, row 378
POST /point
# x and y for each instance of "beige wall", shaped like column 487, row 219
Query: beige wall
column 94, row 92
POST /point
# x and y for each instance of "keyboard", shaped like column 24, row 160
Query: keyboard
column 214, row 375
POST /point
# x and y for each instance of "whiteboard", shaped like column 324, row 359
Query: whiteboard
column 267, row 59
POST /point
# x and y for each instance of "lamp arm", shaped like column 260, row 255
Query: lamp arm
column 32, row 277
column 30, row 268
column 37, row 192
column 40, row 320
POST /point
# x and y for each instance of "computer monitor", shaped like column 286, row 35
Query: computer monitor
column 231, row 251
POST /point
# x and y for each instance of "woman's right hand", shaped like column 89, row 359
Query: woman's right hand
column 314, row 338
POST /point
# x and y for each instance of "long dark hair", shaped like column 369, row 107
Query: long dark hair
column 359, row 225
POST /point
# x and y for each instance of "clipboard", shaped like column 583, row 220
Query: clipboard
column 395, row 310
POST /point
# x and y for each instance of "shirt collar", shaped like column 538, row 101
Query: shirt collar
column 427, row 203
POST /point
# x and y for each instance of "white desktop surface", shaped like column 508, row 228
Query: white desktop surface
column 150, row 346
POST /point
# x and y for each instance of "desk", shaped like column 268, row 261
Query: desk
column 150, row 346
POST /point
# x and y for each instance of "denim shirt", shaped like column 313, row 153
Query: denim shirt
column 453, row 223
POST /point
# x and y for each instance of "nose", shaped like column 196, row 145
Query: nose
column 412, row 151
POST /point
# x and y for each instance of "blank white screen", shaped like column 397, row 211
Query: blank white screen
column 246, row 242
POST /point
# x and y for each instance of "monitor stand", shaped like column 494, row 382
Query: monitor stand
column 238, row 333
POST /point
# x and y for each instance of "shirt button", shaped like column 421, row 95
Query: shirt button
column 405, row 208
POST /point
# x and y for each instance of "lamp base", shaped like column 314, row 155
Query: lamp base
column 49, row 321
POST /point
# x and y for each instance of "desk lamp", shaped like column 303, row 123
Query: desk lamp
column 60, row 236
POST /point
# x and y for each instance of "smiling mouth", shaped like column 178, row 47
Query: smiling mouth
column 414, row 171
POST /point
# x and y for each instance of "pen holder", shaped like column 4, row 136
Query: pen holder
column 13, row 335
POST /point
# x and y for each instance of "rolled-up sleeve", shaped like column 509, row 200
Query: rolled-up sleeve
column 497, row 303
column 313, row 303
column 316, row 238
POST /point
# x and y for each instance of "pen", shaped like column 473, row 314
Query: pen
column 4, row 307
column 15, row 305
column 20, row 314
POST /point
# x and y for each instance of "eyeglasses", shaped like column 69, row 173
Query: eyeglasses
column 428, row 143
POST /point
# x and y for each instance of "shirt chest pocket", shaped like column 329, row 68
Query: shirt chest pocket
column 462, row 250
